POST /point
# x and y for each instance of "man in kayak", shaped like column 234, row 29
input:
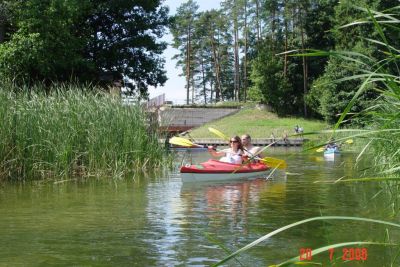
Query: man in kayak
column 332, row 145
column 249, row 149
column 231, row 155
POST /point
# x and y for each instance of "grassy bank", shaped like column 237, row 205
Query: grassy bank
column 259, row 124
column 71, row 132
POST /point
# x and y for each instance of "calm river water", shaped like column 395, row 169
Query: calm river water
column 162, row 222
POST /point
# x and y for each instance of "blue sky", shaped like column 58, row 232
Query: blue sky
column 174, row 88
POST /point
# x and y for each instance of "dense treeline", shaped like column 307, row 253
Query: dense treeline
column 239, row 52
column 83, row 40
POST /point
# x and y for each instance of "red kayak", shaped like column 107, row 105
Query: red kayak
column 214, row 170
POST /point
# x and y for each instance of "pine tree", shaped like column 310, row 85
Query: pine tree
column 182, row 30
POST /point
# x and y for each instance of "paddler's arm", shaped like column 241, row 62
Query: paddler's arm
column 254, row 152
column 261, row 155
column 215, row 153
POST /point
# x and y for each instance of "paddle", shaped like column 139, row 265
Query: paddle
column 179, row 141
column 272, row 162
column 348, row 141
column 218, row 133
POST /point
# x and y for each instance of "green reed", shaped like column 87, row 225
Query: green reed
column 382, row 118
column 317, row 251
column 72, row 131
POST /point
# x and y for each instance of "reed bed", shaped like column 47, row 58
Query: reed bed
column 68, row 130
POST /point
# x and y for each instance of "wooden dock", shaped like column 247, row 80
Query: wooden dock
column 255, row 141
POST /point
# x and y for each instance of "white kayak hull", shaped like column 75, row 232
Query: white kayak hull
column 331, row 155
column 331, row 152
column 204, row 177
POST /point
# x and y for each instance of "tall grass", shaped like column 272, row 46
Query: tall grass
column 383, row 117
column 72, row 131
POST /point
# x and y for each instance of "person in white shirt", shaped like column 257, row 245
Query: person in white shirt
column 231, row 155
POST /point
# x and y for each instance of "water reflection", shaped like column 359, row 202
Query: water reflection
column 163, row 222
column 231, row 198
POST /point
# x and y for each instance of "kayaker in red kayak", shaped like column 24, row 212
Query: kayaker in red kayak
column 231, row 155
column 249, row 149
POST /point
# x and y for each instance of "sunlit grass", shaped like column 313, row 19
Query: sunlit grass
column 259, row 124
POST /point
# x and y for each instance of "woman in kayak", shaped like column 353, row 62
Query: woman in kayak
column 232, row 154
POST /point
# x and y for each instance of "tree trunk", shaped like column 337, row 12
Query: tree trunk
column 286, row 40
column 188, row 66
column 304, row 67
column 258, row 25
column 2, row 32
column 236, row 51
column 193, row 91
column 294, row 22
column 236, row 55
column 273, row 29
column 204, row 80
column 211, row 91
column 4, row 17
column 245, row 52
column 216, row 69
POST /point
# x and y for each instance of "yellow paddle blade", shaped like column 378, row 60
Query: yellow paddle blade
column 274, row 162
column 179, row 141
column 218, row 133
column 349, row 141
column 321, row 149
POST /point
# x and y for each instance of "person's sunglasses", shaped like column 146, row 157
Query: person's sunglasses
column 233, row 141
